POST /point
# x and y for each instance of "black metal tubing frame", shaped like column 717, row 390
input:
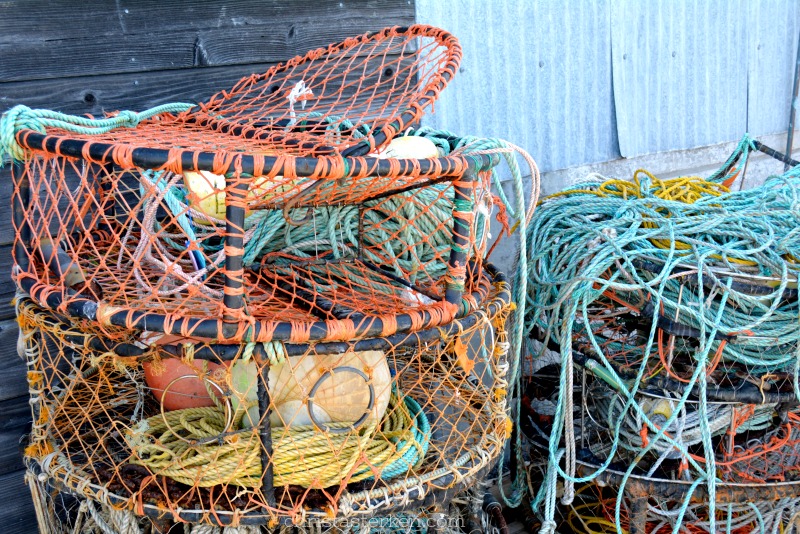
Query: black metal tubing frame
column 761, row 147
column 639, row 489
column 438, row 494
column 213, row 328
column 233, row 275
column 744, row 392
column 229, row 351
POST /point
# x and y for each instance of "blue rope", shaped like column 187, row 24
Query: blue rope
column 419, row 445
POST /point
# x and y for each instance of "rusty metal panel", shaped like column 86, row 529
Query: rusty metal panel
column 535, row 73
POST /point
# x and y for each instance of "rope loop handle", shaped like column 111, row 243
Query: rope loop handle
column 16, row 119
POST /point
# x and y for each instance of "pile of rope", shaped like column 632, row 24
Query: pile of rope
column 616, row 268
column 607, row 409
column 594, row 514
column 193, row 446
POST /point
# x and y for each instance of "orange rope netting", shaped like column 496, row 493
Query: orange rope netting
column 270, row 306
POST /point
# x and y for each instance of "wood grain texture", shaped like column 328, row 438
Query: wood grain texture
column 15, row 423
column 12, row 368
column 7, row 287
column 56, row 19
column 16, row 514
column 6, row 228
column 105, row 93
column 149, row 37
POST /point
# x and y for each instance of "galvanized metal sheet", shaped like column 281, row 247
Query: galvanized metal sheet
column 773, row 27
column 680, row 73
column 535, row 73
column 685, row 73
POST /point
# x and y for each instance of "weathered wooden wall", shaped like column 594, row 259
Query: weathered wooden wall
column 97, row 56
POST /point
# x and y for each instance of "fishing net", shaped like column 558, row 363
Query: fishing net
column 230, row 210
column 178, row 426
column 675, row 301
column 462, row 514
column 271, row 308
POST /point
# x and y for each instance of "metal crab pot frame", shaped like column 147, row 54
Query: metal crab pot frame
column 641, row 488
column 462, row 171
column 423, row 490
column 248, row 136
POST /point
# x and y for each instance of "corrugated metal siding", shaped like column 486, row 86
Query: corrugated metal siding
column 686, row 73
column 535, row 73
column 680, row 73
column 773, row 27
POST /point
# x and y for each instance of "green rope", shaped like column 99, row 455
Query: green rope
column 24, row 118
column 585, row 243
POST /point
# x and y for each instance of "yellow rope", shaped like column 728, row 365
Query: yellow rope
column 303, row 456
column 685, row 189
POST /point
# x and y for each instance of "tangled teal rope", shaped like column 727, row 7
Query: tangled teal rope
column 421, row 441
column 410, row 233
column 583, row 245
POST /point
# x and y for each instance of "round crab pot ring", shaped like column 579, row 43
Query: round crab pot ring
column 368, row 426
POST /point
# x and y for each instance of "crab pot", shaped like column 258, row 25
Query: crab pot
column 189, row 429
column 645, row 453
column 287, row 208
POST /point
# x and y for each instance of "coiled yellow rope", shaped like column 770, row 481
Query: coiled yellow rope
column 191, row 447
column 684, row 189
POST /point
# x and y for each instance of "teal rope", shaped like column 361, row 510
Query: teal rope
column 418, row 450
column 400, row 235
column 24, row 118
column 575, row 240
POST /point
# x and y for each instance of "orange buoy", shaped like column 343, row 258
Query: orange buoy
column 189, row 392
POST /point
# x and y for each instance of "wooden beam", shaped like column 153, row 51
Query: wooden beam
column 13, row 382
column 35, row 19
column 15, row 423
column 7, row 287
column 136, row 91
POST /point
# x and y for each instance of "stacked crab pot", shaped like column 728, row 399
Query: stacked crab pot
column 271, row 307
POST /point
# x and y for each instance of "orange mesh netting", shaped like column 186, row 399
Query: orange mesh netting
column 176, row 424
column 286, row 207
column 271, row 307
